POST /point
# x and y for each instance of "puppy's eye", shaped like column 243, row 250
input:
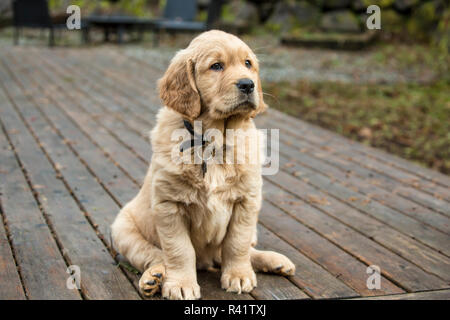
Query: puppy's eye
column 248, row 64
column 216, row 66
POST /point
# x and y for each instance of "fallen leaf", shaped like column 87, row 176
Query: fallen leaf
column 289, row 165
column 365, row 133
column 318, row 200
column 298, row 173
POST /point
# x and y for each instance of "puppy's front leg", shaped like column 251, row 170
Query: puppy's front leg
column 178, row 252
column 237, row 272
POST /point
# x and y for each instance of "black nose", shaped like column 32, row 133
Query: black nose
column 245, row 85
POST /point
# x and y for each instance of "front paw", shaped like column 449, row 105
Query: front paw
column 239, row 279
column 150, row 282
column 175, row 289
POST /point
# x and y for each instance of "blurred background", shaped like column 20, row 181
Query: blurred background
column 388, row 88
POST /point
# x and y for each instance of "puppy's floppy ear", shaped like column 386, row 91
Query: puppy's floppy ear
column 262, row 106
column 177, row 88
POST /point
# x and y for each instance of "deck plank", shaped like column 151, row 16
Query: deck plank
column 104, row 111
column 40, row 261
column 99, row 87
column 135, row 167
column 310, row 276
column 266, row 290
column 95, row 200
column 324, row 137
column 101, row 279
column 348, row 292
column 327, row 154
column 405, row 190
column 337, row 195
column 299, row 162
column 331, row 257
column 9, row 274
column 88, row 113
column 331, row 150
column 101, row 208
column 365, row 249
column 430, row 260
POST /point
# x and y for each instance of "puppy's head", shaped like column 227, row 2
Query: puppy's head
column 218, row 74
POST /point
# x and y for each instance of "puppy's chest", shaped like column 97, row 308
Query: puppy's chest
column 217, row 214
column 221, row 193
column 223, row 182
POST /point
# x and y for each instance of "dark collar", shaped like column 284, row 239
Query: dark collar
column 195, row 141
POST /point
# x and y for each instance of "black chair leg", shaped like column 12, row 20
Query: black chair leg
column 120, row 33
column 85, row 35
column 51, row 41
column 140, row 34
column 156, row 35
column 16, row 35
column 106, row 34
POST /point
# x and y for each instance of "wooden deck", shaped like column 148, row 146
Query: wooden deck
column 74, row 149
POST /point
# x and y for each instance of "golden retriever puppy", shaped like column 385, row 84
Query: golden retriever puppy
column 190, row 216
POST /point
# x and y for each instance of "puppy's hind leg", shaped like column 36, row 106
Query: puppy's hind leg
column 270, row 261
column 142, row 254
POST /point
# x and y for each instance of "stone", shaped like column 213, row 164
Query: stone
column 441, row 36
column 246, row 13
column 238, row 16
column 424, row 19
column 265, row 9
column 359, row 5
column 317, row 3
column 403, row 5
column 5, row 9
column 279, row 20
column 362, row 5
column 305, row 13
column 340, row 21
column 392, row 22
column 288, row 16
column 336, row 4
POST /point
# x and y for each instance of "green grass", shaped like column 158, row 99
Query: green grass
column 409, row 120
column 417, row 56
column 128, row 267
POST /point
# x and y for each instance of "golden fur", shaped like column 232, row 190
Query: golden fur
column 180, row 220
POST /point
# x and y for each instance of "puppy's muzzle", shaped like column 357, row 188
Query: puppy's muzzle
column 245, row 85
